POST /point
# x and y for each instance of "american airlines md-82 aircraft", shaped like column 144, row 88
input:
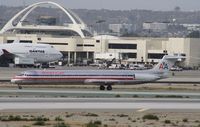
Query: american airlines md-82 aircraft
column 40, row 53
column 101, row 77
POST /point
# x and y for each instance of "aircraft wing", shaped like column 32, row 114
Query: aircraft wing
column 101, row 81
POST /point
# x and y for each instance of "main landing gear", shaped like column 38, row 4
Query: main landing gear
column 109, row 87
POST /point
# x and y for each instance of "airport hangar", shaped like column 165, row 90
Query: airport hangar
column 77, row 44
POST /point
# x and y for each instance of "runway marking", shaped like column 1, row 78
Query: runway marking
column 142, row 110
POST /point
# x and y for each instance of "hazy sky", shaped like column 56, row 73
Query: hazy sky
column 185, row 5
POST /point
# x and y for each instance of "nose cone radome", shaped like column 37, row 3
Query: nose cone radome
column 15, row 80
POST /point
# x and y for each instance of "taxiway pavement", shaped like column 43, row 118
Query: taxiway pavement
column 36, row 92
column 99, row 103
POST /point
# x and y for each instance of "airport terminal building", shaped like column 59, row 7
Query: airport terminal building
column 77, row 44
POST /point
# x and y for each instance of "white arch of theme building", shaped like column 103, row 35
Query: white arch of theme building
column 76, row 26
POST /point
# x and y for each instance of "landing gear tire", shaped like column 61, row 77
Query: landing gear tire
column 102, row 87
column 109, row 87
column 19, row 87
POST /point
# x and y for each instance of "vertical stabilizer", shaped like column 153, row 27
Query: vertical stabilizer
column 166, row 63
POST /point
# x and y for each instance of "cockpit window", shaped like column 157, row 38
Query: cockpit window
column 22, row 74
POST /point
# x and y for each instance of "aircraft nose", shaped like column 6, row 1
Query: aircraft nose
column 16, row 81
column 13, row 81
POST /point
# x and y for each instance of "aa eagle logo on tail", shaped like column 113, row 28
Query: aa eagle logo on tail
column 163, row 65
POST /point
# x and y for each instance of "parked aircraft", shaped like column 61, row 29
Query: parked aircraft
column 40, row 53
column 100, row 77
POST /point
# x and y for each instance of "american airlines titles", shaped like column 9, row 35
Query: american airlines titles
column 163, row 65
column 52, row 73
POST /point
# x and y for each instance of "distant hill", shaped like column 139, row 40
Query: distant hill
column 91, row 17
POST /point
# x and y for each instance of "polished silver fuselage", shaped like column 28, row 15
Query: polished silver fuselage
column 85, row 76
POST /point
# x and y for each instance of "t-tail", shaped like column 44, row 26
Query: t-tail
column 163, row 67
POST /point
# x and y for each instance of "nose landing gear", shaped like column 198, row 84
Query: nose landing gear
column 19, row 86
